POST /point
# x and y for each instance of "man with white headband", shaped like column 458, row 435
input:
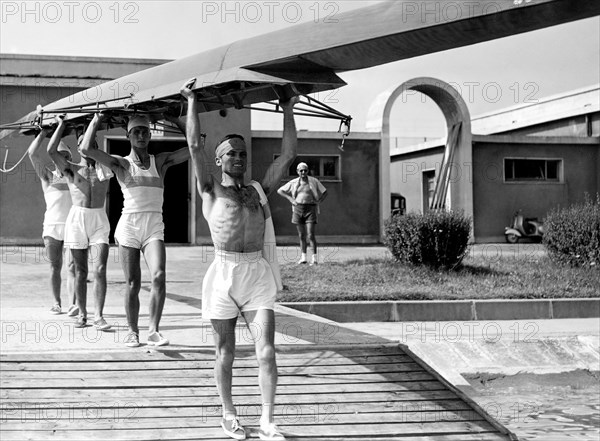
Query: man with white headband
column 240, row 280
column 58, row 204
column 305, row 193
column 140, row 228
column 86, row 226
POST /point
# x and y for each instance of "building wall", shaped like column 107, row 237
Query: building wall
column 496, row 201
column 22, row 203
column 406, row 175
column 351, row 211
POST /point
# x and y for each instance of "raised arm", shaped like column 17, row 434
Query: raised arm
column 289, row 147
column 59, row 160
column 34, row 155
column 167, row 159
column 89, row 147
column 199, row 157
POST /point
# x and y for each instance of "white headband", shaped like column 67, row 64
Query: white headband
column 229, row 144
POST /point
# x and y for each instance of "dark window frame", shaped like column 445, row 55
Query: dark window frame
column 532, row 170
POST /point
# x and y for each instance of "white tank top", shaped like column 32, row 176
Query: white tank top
column 58, row 201
column 142, row 189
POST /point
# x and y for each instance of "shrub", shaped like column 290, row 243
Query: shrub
column 572, row 234
column 402, row 237
column 438, row 239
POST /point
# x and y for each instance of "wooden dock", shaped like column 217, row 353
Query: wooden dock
column 374, row 392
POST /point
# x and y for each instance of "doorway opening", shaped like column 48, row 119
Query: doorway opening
column 177, row 196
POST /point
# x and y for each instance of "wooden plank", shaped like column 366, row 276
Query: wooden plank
column 13, row 436
column 150, row 409
column 78, row 382
column 201, row 432
column 121, row 419
column 187, row 372
column 167, row 354
column 127, row 392
column 100, row 398
column 197, row 364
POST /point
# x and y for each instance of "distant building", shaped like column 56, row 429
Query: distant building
column 531, row 158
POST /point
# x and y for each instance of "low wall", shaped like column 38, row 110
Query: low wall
column 467, row 310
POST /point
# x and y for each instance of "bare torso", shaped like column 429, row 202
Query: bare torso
column 235, row 218
column 86, row 189
column 305, row 196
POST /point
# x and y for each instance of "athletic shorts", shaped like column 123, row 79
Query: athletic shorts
column 237, row 282
column 85, row 227
column 136, row 230
column 304, row 214
column 55, row 231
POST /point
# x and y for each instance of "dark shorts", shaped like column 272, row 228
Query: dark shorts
column 304, row 214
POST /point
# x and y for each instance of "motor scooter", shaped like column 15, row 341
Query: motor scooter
column 524, row 227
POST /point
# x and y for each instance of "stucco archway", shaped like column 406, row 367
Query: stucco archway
column 455, row 111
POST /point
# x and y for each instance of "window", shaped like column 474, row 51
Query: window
column 321, row 167
column 544, row 170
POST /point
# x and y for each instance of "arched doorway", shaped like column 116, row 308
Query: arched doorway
column 458, row 124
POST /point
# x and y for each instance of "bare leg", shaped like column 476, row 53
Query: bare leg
column 100, row 257
column 261, row 324
column 224, row 338
column 54, row 252
column 311, row 228
column 302, row 236
column 156, row 257
column 71, row 278
column 130, row 262
column 80, row 258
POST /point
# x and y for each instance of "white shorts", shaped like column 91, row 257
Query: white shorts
column 85, row 227
column 237, row 282
column 136, row 230
column 55, row 231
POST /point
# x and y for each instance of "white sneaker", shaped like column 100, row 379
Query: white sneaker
column 73, row 311
column 132, row 340
column 233, row 428
column 270, row 432
column 157, row 339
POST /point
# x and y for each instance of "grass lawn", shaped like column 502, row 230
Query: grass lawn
column 523, row 277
